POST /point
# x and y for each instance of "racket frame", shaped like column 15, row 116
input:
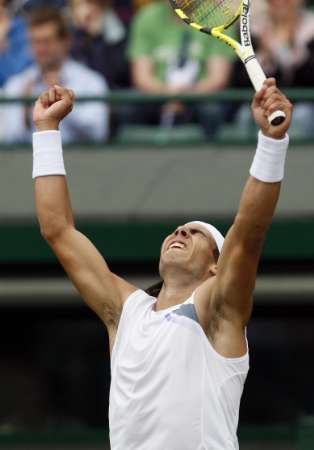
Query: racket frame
column 244, row 50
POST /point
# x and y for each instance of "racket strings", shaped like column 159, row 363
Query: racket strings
column 209, row 13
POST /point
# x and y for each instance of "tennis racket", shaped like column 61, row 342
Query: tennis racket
column 214, row 17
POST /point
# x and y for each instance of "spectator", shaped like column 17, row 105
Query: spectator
column 257, row 8
column 49, row 38
column 99, row 40
column 284, row 42
column 15, row 54
column 168, row 57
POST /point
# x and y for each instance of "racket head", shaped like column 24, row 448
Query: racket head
column 206, row 15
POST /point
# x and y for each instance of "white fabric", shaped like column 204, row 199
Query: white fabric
column 218, row 237
column 113, row 28
column 88, row 120
column 47, row 154
column 269, row 161
column 170, row 390
column 182, row 76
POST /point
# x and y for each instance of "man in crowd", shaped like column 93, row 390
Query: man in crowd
column 50, row 42
column 99, row 40
column 168, row 57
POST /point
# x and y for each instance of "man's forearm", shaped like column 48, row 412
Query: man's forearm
column 256, row 210
column 53, row 205
column 151, row 85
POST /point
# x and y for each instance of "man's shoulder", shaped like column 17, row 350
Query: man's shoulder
column 83, row 78
column 18, row 27
column 307, row 22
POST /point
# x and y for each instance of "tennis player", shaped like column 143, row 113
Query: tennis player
column 179, row 360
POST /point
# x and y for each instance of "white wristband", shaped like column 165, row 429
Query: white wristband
column 47, row 154
column 269, row 161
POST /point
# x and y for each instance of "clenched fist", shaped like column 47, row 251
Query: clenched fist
column 51, row 107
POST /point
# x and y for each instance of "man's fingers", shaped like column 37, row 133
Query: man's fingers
column 275, row 106
column 279, row 105
column 52, row 96
column 269, row 82
column 55, row 94
column 273, row 98
column 258, row 97
column 269, row 93
column 44, row 99
column 268, row 88
column 71, row 94
column 63, row 93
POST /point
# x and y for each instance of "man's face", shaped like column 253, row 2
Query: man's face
column 49, row 49
column 190, row 247
column 88, row 15
column 283, row 7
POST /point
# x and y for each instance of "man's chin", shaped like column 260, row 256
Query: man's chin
column 174, row 258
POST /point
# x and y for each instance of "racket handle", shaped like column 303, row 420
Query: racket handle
column 257, row 77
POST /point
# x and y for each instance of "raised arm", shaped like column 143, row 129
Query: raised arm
column 229, row 293
column 103, row 291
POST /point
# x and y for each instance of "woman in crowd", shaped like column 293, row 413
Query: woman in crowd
column 283, row 37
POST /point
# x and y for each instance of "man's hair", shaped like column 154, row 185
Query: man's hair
column 43, row 15
column 154, row 289
column 101, row 3
column 216, row 253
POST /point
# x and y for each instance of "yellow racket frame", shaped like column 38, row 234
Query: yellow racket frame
column 216, row 32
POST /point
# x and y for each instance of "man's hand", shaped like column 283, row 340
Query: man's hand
column 265, row 102
column 51, row 107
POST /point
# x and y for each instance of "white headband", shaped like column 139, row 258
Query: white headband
column 218, row 237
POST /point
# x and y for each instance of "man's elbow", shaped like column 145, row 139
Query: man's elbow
column 52, row 228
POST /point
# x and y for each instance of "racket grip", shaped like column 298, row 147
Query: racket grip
column 257, row 77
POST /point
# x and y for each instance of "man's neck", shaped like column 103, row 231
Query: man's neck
column 55, row 67
column 175, row 291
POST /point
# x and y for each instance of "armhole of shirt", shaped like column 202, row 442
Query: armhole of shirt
column 212, row 349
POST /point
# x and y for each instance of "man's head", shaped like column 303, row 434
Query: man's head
column 49, row 37
column 3, row 4
column 282, row 9
column 193, row 249
column 88, row 14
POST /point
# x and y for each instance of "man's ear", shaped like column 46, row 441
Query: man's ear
column 213, row 269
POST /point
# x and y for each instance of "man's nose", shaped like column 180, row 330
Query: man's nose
column 181, row 231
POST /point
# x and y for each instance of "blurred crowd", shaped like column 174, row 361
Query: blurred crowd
column 97, row 46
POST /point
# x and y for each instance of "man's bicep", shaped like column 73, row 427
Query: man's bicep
column 99, row 287
column 236, row 274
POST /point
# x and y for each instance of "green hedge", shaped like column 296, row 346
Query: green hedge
column 141, row 241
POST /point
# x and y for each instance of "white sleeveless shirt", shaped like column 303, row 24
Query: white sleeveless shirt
column 170, row 389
